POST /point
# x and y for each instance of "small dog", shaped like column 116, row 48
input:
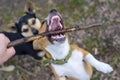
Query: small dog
column 26, row 26
column 66, row 60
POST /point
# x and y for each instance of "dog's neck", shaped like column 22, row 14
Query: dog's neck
column 59, row 50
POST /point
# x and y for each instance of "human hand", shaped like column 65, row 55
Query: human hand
column 5, row 53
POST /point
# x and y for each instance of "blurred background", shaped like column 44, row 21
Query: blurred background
column 103, row 42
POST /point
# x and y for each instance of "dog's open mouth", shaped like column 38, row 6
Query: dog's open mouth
column 55, row 23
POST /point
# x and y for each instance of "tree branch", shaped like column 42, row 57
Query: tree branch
column 31, row 38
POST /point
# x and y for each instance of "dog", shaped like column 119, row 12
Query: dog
column 66, row 59
column 27, row 25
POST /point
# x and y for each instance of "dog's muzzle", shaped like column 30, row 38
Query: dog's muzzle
column 55, row 23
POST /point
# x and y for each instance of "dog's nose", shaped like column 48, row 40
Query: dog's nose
column 53, row 10
column 34, row 31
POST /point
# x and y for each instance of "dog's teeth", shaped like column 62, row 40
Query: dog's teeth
column 61, row 35
column 53, row 37
column 50, row 28
column 57, row 36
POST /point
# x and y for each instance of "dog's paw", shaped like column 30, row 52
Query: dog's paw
column 103, row 67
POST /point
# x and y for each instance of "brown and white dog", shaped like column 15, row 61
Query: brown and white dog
column 67, row 59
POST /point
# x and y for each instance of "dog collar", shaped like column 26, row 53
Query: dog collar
column 60, row 62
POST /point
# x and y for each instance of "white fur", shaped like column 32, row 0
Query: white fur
column 74, row 67
column 57, row 50
column 100, row 66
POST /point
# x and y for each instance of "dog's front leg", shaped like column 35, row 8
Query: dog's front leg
column 100, row 66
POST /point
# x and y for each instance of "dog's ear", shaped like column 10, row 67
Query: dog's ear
column 29, row 7
column 43, row 27
column 18, row 29
column 13, row 27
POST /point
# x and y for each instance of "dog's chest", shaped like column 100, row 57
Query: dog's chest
column 58, row 51
column 73, row 68
column 75, row 65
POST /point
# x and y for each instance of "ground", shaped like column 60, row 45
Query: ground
column 103, row 42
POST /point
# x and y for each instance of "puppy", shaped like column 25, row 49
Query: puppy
column 27, row 25
column 66, row 60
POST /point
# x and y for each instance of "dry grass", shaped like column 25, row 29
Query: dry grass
column 103, row 42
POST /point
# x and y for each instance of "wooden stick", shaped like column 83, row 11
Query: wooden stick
column 31, row 38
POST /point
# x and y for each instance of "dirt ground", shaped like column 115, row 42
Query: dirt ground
column 103, row 42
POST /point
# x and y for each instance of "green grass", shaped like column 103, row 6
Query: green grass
column 7, row 17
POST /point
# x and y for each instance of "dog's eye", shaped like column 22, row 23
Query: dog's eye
column 25, row 30
column 26, row 22
column 33, row 22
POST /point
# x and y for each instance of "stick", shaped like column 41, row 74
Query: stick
column 31, row 38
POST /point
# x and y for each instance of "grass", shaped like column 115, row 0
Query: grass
column 7, row 18
column 73, row 12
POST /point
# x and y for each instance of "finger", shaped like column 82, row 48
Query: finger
column 10, row 52
column 7, row 55
column 3, row 43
